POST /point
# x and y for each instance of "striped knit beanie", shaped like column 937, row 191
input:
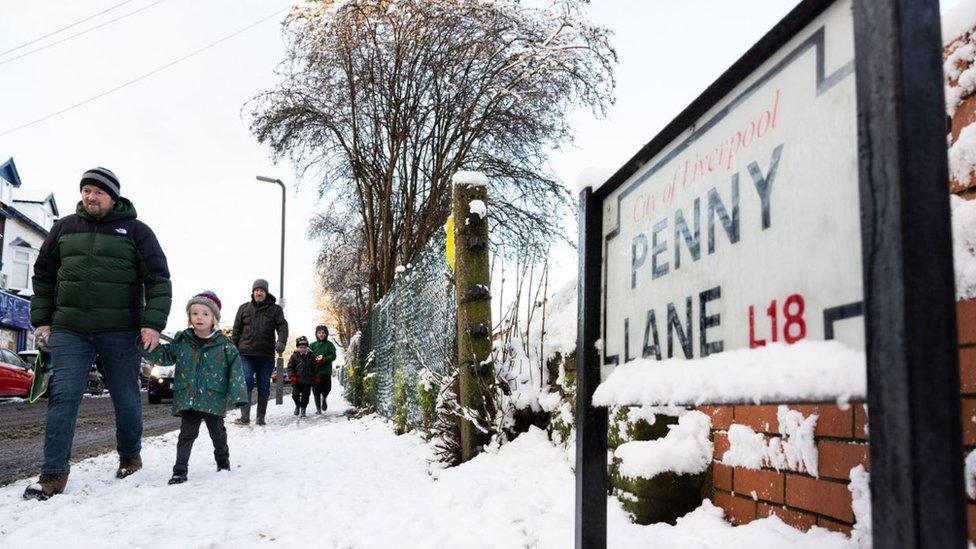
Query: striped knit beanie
column 104, row 179
column 207, row 298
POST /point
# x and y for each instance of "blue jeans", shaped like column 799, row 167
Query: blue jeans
column 260, row 367
column 71, row 358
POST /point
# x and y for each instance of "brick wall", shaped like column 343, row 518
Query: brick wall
column 797, row 498
column 800, row 499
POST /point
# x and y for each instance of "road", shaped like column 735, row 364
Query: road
column 22, row 432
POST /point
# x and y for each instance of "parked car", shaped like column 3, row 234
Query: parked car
column 160, row 383
column 15, row 376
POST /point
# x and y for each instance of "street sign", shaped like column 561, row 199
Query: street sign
column 803, row 195
column 745, row 229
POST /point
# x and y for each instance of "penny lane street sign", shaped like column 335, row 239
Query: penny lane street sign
column 745, row 229
column 755, row 217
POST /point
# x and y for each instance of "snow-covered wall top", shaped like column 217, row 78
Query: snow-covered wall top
column 477, row 179
column 958, row 21
column 807, row 371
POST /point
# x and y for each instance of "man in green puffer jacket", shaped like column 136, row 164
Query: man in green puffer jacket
column 101, row 285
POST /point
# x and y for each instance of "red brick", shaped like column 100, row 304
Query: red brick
column 967, row 370
column 768, row 485
column 721, row 416
column 971, row 519
column 966, row 321
column 762, row 419
column 831, row 420
column 738, row 510
column 837, row 458
column 860, row 421
column 721, row 442
column 797, row 519
column 834, row 526
column 968, row 425
column 820, row 496
column 722, row 476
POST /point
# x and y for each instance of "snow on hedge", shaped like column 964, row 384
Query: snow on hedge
column 964, row 245
column 560, row 325
column 814, row 371
column 474, row 179
column 686, row 449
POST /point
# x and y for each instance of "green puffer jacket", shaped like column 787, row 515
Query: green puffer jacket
column 101, row 275
column 209, row 375
column 327, row 351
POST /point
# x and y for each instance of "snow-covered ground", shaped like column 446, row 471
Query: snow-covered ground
column 331, row 482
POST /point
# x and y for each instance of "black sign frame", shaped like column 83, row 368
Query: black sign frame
column 909, row 296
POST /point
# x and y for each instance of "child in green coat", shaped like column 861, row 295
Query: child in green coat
column 209, row 379
column 325, row 353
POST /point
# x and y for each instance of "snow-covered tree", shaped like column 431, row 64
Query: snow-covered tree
column 386, row 99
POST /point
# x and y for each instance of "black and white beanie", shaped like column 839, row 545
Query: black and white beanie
column 104, row 179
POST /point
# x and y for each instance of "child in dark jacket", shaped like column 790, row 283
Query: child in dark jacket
column 325, row 354
column 209, row 379
column 301, row 372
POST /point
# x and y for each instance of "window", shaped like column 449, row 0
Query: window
column 21, row 270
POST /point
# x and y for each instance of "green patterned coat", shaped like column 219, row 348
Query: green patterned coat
column 209, row 375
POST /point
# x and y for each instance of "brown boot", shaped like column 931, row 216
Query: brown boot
column 127, row 466
column 47, row 485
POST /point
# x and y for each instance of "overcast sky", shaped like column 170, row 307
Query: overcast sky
column 178, row 140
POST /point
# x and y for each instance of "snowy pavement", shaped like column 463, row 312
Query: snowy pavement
column 326, row 481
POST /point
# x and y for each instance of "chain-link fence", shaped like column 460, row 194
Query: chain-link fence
column 411, row 327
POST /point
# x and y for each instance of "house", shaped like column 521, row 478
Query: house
column 26, row 218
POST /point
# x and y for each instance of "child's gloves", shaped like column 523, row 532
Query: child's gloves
column 279, row 346
column 294, row 380
column 319, row 359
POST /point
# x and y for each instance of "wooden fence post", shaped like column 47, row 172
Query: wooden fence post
column 472, row 282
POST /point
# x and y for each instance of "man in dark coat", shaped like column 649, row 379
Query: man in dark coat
column 101, row 285
column 255, row 326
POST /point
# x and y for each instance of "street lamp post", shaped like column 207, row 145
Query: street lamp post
column 281, row 273
column 279, row 363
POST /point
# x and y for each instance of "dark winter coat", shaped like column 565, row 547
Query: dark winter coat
column 255, row 326
column 209, row 375
column 302, row 366
column 327, row 351
column 101, row 275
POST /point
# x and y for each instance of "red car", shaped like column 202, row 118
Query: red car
column 15, row 376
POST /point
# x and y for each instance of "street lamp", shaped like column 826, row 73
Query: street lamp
column 279, row 362
column 281, row 288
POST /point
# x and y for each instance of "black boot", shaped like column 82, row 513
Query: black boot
column 303, row 413
column 223, row 465
column 178, row 478
column 297, row 408
column 262, row 408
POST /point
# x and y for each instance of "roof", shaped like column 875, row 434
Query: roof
column 8, row 171
column 20, row 216
column 37, row 196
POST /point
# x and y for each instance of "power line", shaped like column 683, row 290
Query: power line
column 77, row 34
column 76, row 23
column 143, row 76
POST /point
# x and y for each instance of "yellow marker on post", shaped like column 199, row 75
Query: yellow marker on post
column 449, row 249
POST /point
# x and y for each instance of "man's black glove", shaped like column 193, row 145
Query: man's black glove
column 280, row 347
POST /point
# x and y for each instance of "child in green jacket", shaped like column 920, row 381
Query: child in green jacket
column 209, row 379
column 324, row 352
